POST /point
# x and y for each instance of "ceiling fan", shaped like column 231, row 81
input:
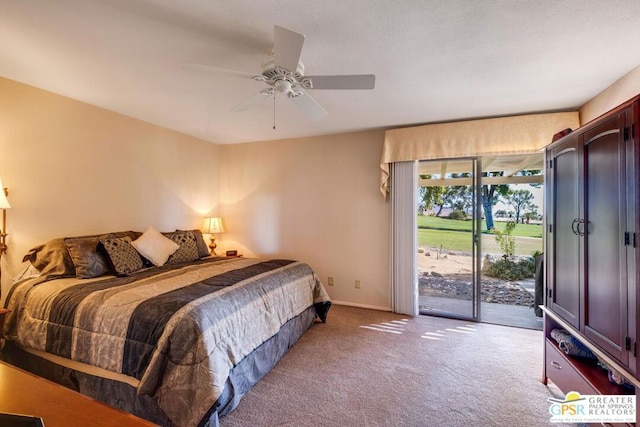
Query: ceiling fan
column 283, row 72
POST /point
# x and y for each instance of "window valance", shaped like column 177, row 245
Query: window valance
column 497, row 136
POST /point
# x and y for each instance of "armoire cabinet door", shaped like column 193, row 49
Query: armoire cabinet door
column 604, row 233
column 563, row 244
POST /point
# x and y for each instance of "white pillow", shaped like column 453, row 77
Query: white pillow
column 154, row 246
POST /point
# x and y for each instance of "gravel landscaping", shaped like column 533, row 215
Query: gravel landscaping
column 459, row 286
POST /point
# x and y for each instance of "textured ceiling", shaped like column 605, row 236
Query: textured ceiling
column 433, row 60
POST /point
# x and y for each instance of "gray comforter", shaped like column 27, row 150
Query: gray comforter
column 175, row 333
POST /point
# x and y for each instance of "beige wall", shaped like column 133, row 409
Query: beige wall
column 622, row 90
column 74, row 169
column 313, row 199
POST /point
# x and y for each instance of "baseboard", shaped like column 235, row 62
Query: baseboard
column 353, row 304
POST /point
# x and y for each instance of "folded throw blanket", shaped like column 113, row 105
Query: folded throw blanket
column 571, row 345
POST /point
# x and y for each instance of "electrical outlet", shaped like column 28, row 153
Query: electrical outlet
column 330, row 281
column 357, row 284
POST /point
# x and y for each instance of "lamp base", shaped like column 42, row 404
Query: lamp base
column 3, row 244
column 213, row 246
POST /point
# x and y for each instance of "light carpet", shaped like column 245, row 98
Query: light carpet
column 372, row 368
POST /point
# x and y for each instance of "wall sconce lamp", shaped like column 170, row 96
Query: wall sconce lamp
column 4, row 205
column 212, row 226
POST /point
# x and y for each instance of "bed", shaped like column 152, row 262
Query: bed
column 177, row 342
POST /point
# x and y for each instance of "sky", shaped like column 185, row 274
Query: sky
column 538, row 197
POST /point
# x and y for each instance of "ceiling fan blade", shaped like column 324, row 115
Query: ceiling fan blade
column 252, row 100
column 309, row 105
column 355, row 81
column 219, row 70
column 287, row 48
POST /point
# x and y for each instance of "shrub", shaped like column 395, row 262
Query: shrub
column 457, row 214
column 506, row 241
column 507, row 269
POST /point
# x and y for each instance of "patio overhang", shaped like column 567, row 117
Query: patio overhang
column 440, row 170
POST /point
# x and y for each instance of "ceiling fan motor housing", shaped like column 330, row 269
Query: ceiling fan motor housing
column 281, row 79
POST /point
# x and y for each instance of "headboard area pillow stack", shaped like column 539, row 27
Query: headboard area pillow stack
column 118, row 253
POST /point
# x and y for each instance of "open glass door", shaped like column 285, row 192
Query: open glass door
column 511, row 240
column 490, row 203
column 448, row 242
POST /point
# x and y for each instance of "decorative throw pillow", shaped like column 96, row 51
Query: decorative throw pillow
column 52, row 259
column 203, row 249
column 123, row 256
column 188, row 250
column 87, row 258
column 155, row 247
column 133, row 234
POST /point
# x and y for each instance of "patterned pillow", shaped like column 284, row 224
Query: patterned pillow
column 203, row 249
column 188, row 250
column 124, row 257
column 87, row 258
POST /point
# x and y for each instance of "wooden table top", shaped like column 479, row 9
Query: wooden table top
column 26, row 394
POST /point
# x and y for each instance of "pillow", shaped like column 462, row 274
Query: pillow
column 89, row 260
column 123, row 256
column 133, row 234
column 188, row 250
column 52, row 259
column 155, row 247
column 203, row 249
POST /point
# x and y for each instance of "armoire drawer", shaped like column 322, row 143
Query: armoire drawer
column 563, row 373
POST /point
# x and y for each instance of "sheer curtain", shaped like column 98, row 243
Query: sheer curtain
column 404, row 247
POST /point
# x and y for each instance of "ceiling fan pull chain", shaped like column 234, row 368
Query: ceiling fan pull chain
column 274, row 110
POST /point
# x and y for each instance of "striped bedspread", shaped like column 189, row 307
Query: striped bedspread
column 178, row 331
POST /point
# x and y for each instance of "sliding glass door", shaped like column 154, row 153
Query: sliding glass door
column 467, row 204
column 448, row 238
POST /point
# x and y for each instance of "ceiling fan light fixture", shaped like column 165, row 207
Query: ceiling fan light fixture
column 283, row 86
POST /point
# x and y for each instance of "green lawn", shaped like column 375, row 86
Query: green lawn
column 522, row 230
column 456, row 235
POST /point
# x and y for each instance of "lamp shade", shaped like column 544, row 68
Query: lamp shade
column 212, row 225
column 4, row 203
